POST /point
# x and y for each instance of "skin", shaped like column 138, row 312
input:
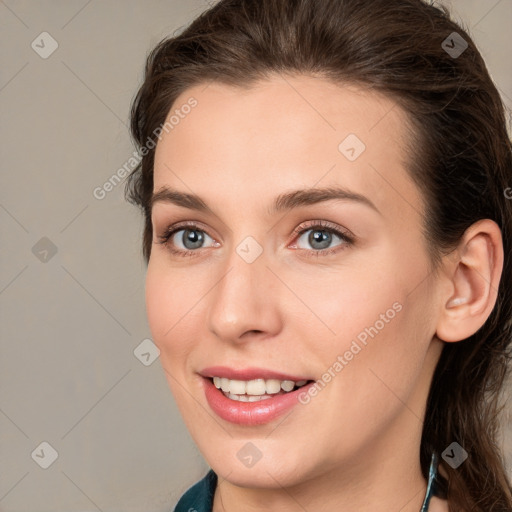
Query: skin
column 355, row 446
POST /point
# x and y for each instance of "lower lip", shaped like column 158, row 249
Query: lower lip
column 250, row 413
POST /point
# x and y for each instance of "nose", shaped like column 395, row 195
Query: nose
column 244, row 303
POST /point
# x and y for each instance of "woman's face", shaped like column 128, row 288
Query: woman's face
column 336, row 290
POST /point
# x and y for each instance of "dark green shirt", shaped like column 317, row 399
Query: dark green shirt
column 199, row 498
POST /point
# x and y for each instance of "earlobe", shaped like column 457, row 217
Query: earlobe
column 472, row 279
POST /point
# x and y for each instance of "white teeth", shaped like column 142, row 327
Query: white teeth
column 287, row 385
column 273, row 386
column 251, row 398
column 224, row 384
column 255, row 387
column 237, row 387
column 247, row 398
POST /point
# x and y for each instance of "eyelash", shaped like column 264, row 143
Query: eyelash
column 323, row 225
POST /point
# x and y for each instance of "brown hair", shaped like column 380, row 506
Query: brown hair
column 462, row 163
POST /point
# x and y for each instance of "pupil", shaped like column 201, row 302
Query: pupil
column 193, row 236
column 324, row 238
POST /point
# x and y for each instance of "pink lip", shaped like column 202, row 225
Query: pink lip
column 251, row 413
column 248, row 374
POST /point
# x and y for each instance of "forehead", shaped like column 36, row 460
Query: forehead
column 285, row 131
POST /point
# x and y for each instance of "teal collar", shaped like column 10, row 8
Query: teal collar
column 432, row 473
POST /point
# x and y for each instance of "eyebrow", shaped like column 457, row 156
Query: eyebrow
column 283, row 202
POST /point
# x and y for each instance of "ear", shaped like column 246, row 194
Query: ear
column 471, row 277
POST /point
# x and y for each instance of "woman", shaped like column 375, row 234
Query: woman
column 328, row 232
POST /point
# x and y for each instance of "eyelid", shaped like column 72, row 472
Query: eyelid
column 171, row 230
column 343, row 233
column 328, row 226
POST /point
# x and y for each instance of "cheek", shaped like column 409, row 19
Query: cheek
column 159, row 304
column 383, row 353
column 170, row 298
column 378, row 330
column 350, row 307
column 173, row 323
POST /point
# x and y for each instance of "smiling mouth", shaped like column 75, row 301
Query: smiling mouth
column 250, row 403
column 256, row 389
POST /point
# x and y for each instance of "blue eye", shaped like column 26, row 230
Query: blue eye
column 192, row 238
column 321, row 237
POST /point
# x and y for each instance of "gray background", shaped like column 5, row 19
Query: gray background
column 72, row 320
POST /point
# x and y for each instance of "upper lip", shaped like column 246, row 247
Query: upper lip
column 251, row 373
